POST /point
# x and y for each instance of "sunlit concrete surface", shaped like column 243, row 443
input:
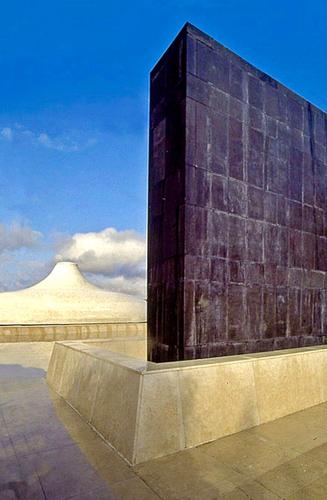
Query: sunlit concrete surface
column 48, row 452
column 200, row 400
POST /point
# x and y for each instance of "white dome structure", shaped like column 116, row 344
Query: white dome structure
column 64, row 297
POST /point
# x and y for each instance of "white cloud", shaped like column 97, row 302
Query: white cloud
column 7, row 133
column 17, row 236
column 45, row 140
column 122, row 284
column 68, row 142
column 113, row 259
column 108, row 252
column 59, row 143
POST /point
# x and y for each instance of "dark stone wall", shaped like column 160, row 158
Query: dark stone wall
column 237, row 257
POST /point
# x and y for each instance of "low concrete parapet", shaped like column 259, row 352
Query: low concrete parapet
column 148, row 410
column 70, row 331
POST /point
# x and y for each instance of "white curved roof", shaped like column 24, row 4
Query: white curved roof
column 65, row 296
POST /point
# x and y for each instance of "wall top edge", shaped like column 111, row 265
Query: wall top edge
column 149, row 368
column 201, row 36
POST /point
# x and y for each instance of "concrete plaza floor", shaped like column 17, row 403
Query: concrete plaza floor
column 48, row 452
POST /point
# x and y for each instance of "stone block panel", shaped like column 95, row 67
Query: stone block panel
column 200, row 401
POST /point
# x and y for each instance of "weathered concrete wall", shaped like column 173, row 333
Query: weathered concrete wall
column 49, row 333
column 237, row 208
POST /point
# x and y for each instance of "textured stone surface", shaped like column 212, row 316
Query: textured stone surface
column 200, row 400
column 237, row 208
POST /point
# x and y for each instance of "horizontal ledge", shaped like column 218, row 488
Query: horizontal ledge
column 149, row 367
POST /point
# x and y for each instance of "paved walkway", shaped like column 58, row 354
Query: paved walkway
column 48, row 452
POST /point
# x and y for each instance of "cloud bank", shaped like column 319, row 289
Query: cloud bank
column 15, row 272
column 17, row 236
column 112, row 259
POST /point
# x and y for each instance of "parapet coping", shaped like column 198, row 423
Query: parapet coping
column 147, row 367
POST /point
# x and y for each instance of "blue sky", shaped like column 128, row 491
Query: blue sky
column 74, row 107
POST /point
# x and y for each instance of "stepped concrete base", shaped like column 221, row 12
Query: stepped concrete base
column 147, row 410
column 70, row 331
